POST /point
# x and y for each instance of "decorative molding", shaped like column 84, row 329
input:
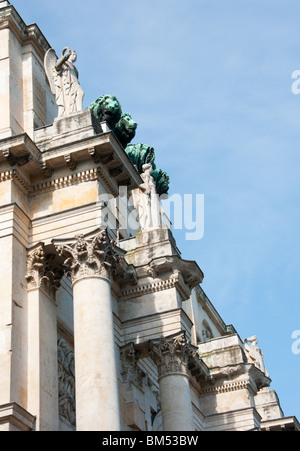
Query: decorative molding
column 61, row 182
column 236, row 377
column 17, row 417
column 14, row 174
column 9, row 18
column 227, row 387
column 70, row 161
column 149, row 288
column 182, row 275
column 124, row 273
column 13, row 161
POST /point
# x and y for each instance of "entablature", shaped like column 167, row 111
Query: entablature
column 96, row 157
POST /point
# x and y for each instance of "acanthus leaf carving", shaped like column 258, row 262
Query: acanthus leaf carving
column 84, row 257
column 35, row 266
column 130, row 371
column 171, row 354
column 43, row 271
column 66, row 381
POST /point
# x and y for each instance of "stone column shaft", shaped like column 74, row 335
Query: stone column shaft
column 171, row 356
column 97, row 399
column 90, row 261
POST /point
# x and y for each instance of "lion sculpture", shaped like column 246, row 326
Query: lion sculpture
column 141, row 154
column 125, row 129
column 162, row 181
column 107, row 108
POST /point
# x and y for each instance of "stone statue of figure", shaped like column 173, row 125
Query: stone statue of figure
column 254, row 353
column 63, row 79
column 147, row 200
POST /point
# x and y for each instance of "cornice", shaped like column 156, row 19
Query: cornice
column 164, row 273
column 35, row 171
column 26, row 34
column 236, row 377
column 214, row 316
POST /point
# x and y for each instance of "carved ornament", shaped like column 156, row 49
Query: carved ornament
column 171, row 354
column 66, row 381
column 43, row 271
column 89, row 256
column 130, row 371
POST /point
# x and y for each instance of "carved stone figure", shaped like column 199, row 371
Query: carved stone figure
column 254, row 353
column 63, row 79
column 147, row 201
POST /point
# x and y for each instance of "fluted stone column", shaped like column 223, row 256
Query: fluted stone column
column 171, row 356
column 90, row 262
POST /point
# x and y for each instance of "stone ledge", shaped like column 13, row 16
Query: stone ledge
column 281, row 424
column 14, row 418
column 235, row 420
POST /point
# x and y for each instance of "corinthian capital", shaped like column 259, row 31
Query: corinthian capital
column 85, row 257
column 130, row 372
column 42, row 270
column 171, row 354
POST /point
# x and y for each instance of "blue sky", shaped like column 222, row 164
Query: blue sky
column 209, row 83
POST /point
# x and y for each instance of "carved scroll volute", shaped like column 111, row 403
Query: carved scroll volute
column 85, row 257
column 171, row 354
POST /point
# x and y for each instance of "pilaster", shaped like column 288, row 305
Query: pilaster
column 43, row 278
column 24, row 95
column 14, row 226
column 131, row 390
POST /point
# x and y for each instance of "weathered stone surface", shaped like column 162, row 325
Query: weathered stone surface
column 116, row 312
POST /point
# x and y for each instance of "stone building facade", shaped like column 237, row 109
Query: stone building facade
column 102, row 327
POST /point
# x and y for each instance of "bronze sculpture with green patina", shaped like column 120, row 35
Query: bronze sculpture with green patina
column 107, row 108
column 140, row 154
